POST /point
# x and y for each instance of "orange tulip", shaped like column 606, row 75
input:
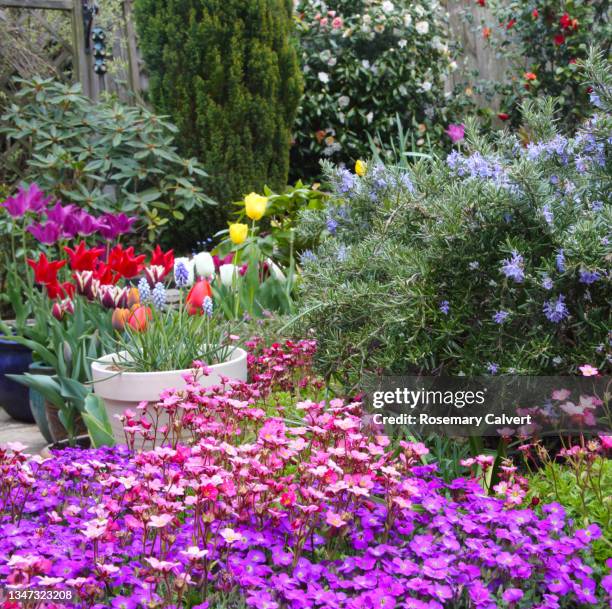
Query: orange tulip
column 139, row 318
column 133, row 297
column 195, row 299
column 120, row 318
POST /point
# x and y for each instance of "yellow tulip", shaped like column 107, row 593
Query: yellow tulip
column 360, row 168
column 238, row 233
column 255, row 206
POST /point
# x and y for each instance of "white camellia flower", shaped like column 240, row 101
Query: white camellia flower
column 189, row 266
column 344, row 101
column 402, row 43
column 204, row 264
column 227, row 272
column 426, row 86
column 370, row 117
column 388, row 7
column 324, row 77
column 407, row 19
column 422, row 27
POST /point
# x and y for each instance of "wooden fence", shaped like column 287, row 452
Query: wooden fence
column 63, row 46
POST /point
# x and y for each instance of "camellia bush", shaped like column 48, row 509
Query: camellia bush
column 367, row 65
column 101, row 156
column 543, row 42
column 493, row 260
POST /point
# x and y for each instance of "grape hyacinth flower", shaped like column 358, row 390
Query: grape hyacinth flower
column 513, row 268
column 181, row 275
column 144, row 290
column 158, row 296
column 207, row 306
column 556, row 310
column 332, row 225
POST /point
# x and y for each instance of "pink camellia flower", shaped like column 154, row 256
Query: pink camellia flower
column 456, row 132
column 588, row 370
column 337, row 23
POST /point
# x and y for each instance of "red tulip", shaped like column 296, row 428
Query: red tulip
column 44, row 271
column 124, row 262
column 139, row 318
column 165, row 259
column 82, row 259
column 195, row 299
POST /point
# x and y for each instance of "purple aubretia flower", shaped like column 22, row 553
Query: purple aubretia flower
column 332, row 225
column 556, row 310
column 492, row 368
column 348, row 181
column 500, row 317
column 513, row 268
column 455, row 132
column 445, row 307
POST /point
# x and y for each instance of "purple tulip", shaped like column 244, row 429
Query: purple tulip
column 59, row 213
column 33, row 199
column 48, row 233
column 80, row 223
column 113, row 225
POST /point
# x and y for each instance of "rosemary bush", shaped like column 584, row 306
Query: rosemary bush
column 493, row 260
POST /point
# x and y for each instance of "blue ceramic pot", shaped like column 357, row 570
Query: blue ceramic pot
column 14, row 397
column 37, row 401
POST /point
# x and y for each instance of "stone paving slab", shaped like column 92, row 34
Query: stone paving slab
column 16, row 431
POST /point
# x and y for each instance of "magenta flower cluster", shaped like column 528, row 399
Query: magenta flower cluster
column 318, row 514
column 62, row 221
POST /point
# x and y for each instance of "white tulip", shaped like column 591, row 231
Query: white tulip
column 204, row 264
column 189, row 266
column 228, row 272
column 275, row 270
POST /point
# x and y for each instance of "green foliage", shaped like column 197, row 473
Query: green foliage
column 102, row 156
column 227, row 74
column 419, row 263
column 584, row 490
column 549, row 43
column 366, row 65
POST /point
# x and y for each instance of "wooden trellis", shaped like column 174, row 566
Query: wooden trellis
column 75, row 53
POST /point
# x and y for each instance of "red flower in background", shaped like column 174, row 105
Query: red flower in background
column 535, row 13
column 124, row 262
column 559, row 39
column 566, row 21
column 481, row 2
column 502, row 116
column 82, row 259
column 45, row 272
column 510, row 24
column 530, row 76
column 165, row 259
column 195, row 299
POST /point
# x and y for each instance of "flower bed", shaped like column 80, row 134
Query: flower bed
column 308, row 512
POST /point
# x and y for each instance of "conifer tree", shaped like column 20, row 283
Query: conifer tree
column 227, row 74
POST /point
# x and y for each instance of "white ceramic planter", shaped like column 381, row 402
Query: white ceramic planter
column 125, row 390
